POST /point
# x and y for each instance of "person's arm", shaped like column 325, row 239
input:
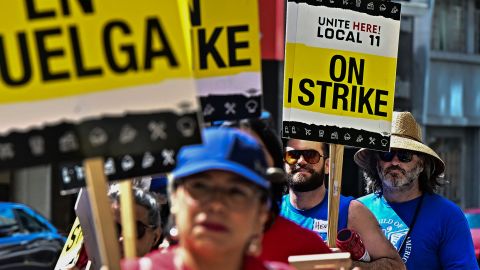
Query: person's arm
column 383, row 255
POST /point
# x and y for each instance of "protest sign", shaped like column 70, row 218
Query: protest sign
column 106, row 235
column 72, row 174
column 337, row 260
column 339, row 85
column 226, row 58
column 83, row 210
column 83, row 80
column 92, row 78
column 82, row 234
column 272, row 28
column 71, row 250
column 340, row 71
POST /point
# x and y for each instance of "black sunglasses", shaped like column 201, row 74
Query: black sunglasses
column 311, row 156
column 404, row 156
column 141, row 229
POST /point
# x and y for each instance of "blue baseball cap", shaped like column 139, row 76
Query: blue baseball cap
column 225, row 149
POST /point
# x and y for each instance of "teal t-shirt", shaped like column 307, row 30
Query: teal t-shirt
column 315, row 219
column 440, row 238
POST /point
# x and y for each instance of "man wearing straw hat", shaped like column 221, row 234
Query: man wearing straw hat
column 428, row 231
column 307, row 203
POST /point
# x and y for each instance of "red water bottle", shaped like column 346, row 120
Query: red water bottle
column 349, row 241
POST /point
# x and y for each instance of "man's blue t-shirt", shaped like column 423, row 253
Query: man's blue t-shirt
column 440, row 238
column 315, row 219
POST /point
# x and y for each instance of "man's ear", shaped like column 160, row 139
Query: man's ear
column 327, row 166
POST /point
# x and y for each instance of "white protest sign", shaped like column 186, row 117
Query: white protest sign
column 340, row 71
column 226, row 54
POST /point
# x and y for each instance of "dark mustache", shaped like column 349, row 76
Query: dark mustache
column 305, row 167
column 395, row 167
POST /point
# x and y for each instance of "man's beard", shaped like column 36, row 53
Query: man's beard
column 302, row 183
column 399, row 180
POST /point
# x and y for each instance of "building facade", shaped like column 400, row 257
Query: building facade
column 438, row 80
column 444, row 92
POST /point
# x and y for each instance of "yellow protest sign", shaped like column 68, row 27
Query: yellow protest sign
column 54, row 48
column 340, row 71
column 67, row 66
column 72, row 247
column 226, row 57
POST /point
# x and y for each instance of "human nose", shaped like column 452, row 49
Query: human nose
column 301, row 160
column 395, row 160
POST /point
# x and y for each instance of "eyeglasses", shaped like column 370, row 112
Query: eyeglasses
column 311, row 156
column 141, row 229
column 404, row 156
column 236, row 196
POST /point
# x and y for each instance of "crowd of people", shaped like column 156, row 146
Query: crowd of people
column 246, row 200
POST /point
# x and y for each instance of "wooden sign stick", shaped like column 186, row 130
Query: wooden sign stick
column 127, row 210
column 102, row 213
column 334, row 189
column 330, row 261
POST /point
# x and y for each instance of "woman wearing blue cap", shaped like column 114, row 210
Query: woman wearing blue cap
column 219, row 198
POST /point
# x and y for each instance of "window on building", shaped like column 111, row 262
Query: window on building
column 477, row 26
column 449, row 25
column 449, row 151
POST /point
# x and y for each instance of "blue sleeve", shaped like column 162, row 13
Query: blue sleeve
column 343, row 212
column 456, row 250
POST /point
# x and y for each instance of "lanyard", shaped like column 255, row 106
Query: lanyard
column 419, row 205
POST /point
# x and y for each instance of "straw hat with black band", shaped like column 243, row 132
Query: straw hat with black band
column 406, row 134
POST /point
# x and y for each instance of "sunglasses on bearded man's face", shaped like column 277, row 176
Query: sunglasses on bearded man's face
column 311, row 156
column 403, row 156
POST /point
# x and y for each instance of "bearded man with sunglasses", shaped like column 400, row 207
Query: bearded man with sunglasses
column 428, row 231
column 307, row 203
